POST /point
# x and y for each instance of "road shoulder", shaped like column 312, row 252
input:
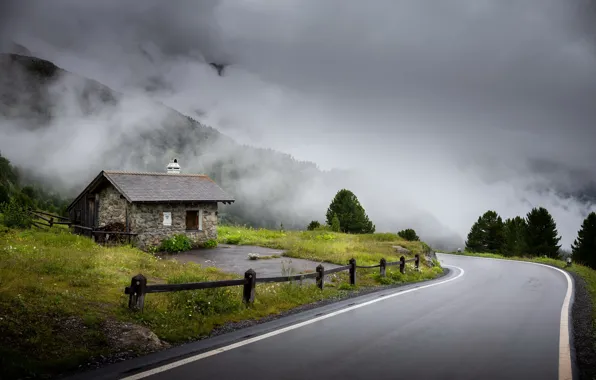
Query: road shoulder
column 235, row 332
column 584, row 334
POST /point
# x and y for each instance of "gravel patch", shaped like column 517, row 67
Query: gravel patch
column 584, row 334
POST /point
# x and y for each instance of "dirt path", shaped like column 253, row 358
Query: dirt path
column 234, row 259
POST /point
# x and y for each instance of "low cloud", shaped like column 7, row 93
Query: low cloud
column 438, row 111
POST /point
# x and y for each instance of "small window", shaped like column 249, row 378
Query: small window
column 194, row 220
column 77, row 216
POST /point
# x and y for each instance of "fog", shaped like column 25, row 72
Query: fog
column 439, row 110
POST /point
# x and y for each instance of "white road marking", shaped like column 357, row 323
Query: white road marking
column 565, row 372
column 204, row 355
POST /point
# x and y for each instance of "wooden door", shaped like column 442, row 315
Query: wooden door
column 91, row 212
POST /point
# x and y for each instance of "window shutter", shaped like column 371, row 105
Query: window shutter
column 200, row 216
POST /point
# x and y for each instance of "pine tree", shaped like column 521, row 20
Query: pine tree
column 584, row 246
column 475, row 240
column 486, row 235
column 351, row 215
column 515, row 237
column 541, row 233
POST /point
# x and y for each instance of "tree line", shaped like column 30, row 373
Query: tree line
column 16, row 196
column 530, row 236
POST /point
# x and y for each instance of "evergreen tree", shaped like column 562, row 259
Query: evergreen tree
column 4, row 195
column 541, row 233
column 584, row 246
column 351, row 215
column 408, row 234
column 474, row 242
column 486, row 235
column 515, row 237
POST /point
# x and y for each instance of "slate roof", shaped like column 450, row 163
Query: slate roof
column 161, row 187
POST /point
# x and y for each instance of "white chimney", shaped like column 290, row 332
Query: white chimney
column 173, row 167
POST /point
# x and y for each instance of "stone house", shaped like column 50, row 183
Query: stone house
column 154, row 206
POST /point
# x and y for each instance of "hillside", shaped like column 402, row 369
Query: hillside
column 62, row 312
column 37, row 98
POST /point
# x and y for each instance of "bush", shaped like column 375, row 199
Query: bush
column 211, row 243
column 408, row 234
column 335, row 226
column 175, row 244
column 15, row 215
column 313, row 225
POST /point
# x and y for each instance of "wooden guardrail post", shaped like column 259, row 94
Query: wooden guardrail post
column 352, row 271
column 248, row 295
column 138, row 285
column 402, row 265
column 320, row 276
column 417, row 261
column 383, row 266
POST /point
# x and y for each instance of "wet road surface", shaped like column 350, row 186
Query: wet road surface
column 487, row 319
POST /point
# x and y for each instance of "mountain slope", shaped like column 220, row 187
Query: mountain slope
column 96, row 130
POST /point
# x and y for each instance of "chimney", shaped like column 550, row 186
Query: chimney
column 173, row 167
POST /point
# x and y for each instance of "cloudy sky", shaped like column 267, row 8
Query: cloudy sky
column 444, row 108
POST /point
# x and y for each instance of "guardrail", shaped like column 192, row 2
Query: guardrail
column 138, row 285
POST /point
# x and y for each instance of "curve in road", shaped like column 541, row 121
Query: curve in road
column 488, row 319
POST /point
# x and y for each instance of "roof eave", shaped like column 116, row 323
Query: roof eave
column 85, row 190
column 185, row 201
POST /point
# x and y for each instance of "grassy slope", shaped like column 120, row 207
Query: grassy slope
column 323, row 246
column 57, row 290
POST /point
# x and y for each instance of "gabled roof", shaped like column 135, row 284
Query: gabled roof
column 161, row 187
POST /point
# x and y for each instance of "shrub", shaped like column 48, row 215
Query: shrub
column 211, row 243
column 313, row 225
column 335, row 226
column 408, row 234
column 176, row 243
column 15, row 215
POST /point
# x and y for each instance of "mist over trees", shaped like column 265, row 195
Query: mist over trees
column 534, row 235
column 269, row 186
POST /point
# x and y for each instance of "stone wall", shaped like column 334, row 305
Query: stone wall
column 147, row 221
column 112, row 208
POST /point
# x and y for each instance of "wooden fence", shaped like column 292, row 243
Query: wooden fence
column 138, row 285
column 47, row 219
column 103, row 237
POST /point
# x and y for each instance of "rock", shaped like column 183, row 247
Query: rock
column 430, row 255
column 128, row 336
column 402, row 250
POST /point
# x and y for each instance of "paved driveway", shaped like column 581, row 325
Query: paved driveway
column 234, row 259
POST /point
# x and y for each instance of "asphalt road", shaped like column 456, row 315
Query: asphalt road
column 496, row 320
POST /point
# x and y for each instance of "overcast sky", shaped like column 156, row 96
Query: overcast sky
column 451, row 107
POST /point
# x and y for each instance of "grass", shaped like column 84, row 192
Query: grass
column 58, row 291
column 323, row 246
